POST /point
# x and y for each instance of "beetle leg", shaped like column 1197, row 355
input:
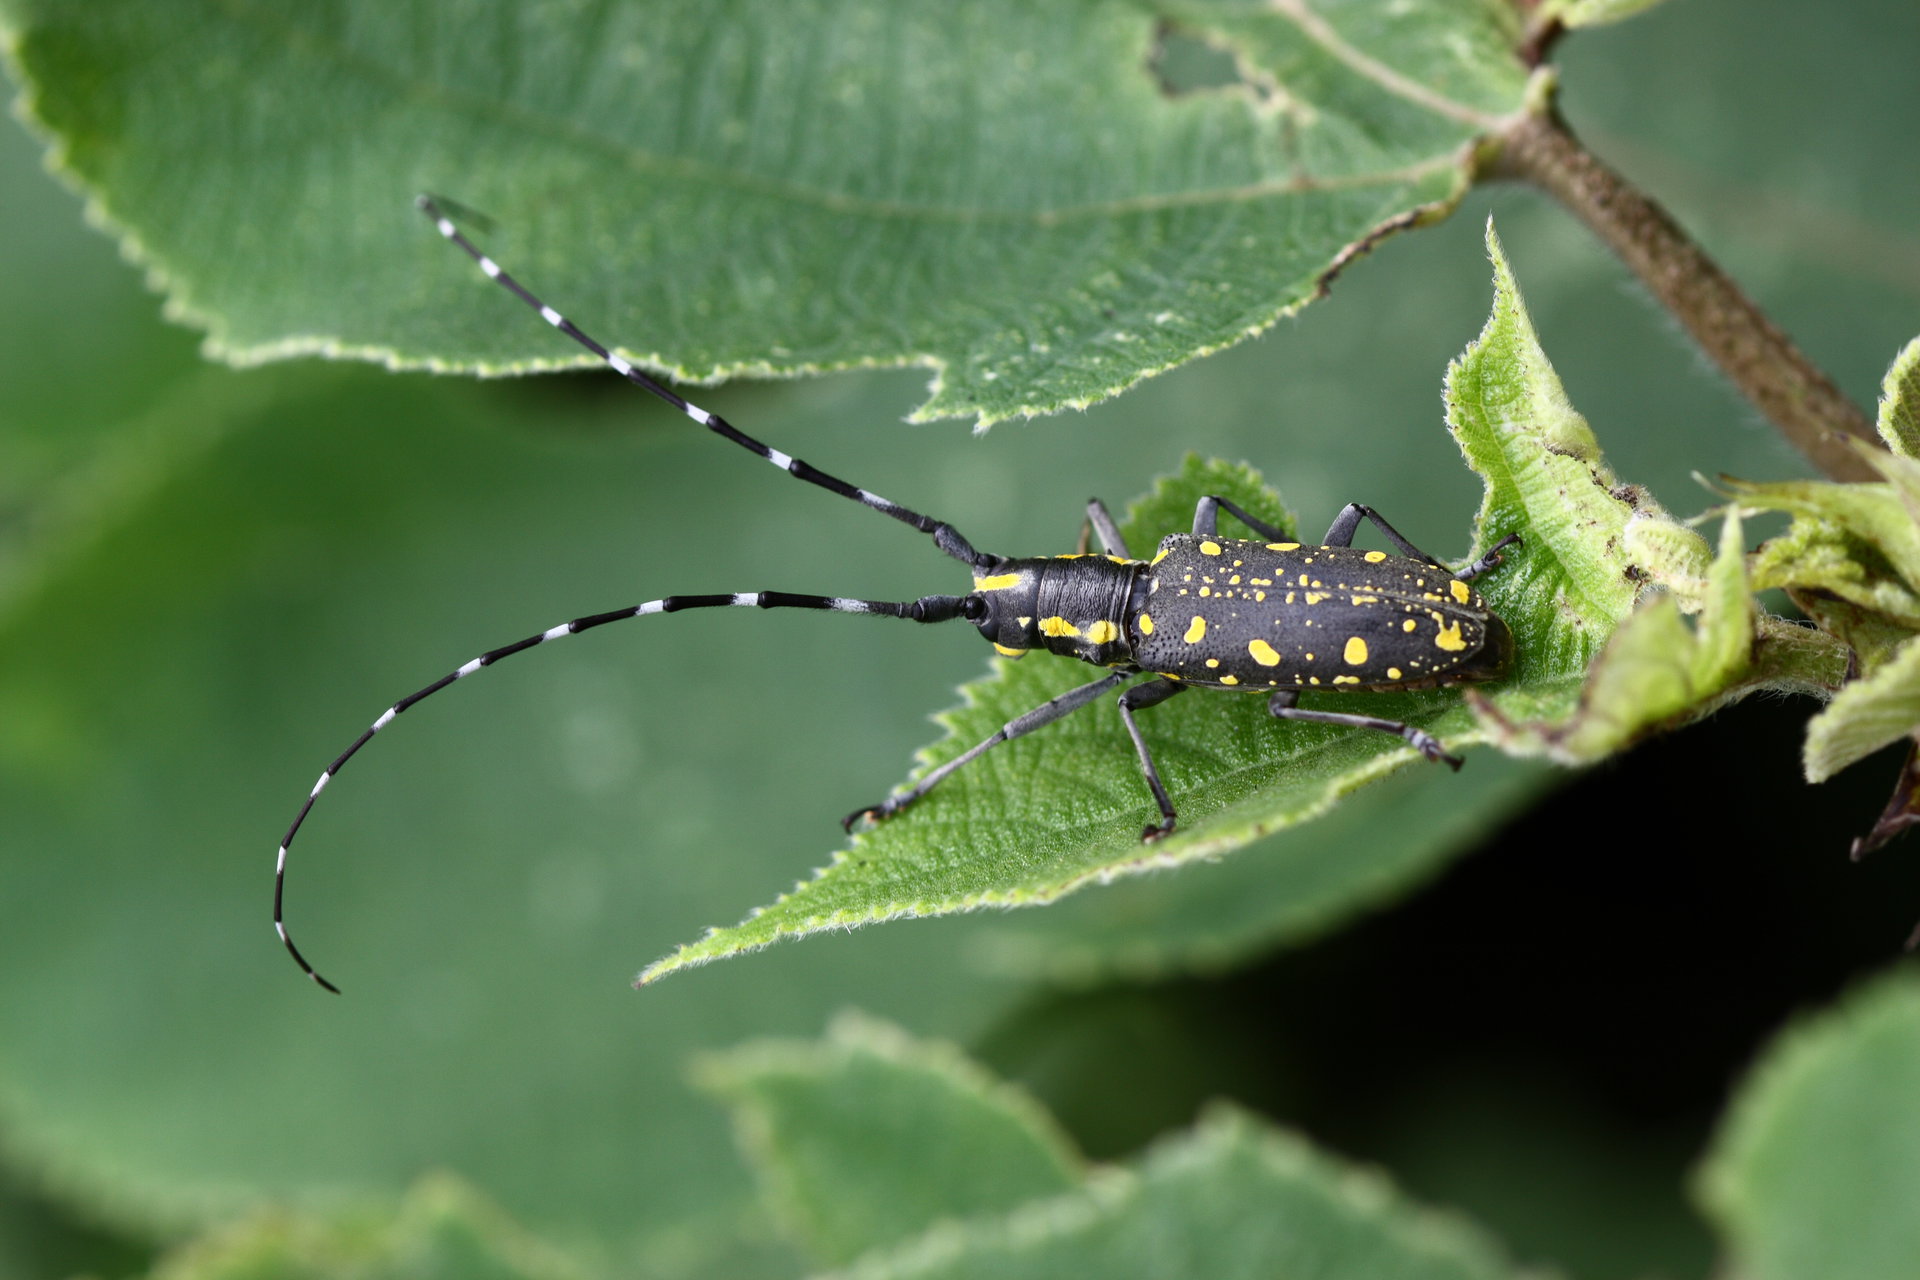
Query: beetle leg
column 1340, row 532
column 1046, row 713
column 1285, row 704
column 1135, row 699
column 1491, row 560
column 1206, row 519
column 1102, row 522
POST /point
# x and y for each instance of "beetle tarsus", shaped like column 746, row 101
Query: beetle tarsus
column 873, row 813
column 1492, row 560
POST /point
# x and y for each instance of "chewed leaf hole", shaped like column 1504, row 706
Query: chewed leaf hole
column 1183, row 63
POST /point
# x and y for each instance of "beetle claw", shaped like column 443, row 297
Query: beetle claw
column 872, row 813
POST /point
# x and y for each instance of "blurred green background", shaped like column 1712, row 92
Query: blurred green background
column 211, row 580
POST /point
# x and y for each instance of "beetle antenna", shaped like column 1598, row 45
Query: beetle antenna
column 944, row 535
column 925, row 609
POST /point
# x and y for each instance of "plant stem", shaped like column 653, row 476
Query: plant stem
column 1761, row 361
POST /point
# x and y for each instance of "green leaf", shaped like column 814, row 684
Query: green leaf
column 868, row 1137
column 1851, row 557
column 1655, row 669
column 1284, row 891
column 1607, row 574
column 1000, row 192
column 1856, row 540
column 1057, row 810
column 1813, row 1172
column 1593, row 544
column 1881, row 707
column 1545, row 479
column 1900, row 403
column 442, row 1230
column 1231, row 1199
column 485, row 878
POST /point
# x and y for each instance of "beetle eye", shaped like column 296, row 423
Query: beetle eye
column 974, row 609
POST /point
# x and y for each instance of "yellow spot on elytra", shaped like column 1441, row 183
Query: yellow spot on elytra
column 1213, row 662
column 1157, row 559
column 998, row 582
column 1356, row 651
column 1206, row 591
column 1313, row 679
column 1408, row 625
column 1196, row 630
column 1171, row 675
column 1102, row 632
column 1057, row 626
column 1005, row 652
column 1263, row 653
column 1026, row 622
column 1461, row 591
column 1315, row 597
column 1209, row 548
column 1375, row 557
column 1283, row 546
column 1234, row 581
column 1259, row 595
column 1146, row 625
column 1450, row 639
column 1309, row 657
column 1261, row 582
column 1393, row 673
column 1229, row 679
column 1346, row 679
column 1303, row 579
column 1366, row 599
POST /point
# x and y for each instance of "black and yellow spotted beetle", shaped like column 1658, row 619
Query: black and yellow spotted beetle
column 1272, row 616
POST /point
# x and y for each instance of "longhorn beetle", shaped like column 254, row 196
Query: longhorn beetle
column 1269, row 616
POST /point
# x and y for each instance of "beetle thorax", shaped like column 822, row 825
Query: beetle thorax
column 1070, row 605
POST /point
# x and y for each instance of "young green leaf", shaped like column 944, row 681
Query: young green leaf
column 1858, row 541
column 1546, row 479
column 1230, row 1199
column 1003, row 193
column 1813, row 1172
column 443, row 1228
column 867, row 1137
column 1597, row 546
column 1655, row 669
column 1881, row 707
column 1899, row 420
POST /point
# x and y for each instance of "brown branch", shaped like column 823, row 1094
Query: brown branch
column 1750, row 349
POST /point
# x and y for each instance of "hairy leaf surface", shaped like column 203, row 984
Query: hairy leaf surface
column 1007, row 194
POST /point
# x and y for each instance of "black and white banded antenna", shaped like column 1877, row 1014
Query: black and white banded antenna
column 925, row 609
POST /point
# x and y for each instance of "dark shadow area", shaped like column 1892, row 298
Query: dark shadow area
column 1546, row 1037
